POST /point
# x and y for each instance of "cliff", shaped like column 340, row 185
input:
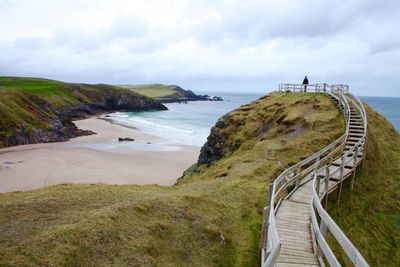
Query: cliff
column 38, row 110
column 210, row 218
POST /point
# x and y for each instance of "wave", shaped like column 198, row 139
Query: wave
column 169, row 131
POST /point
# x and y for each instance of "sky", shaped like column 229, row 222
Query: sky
column 205, row 45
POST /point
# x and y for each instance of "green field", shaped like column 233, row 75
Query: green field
column 152, row 90
column 33, row 85
column 157, row 90
column 182, row 225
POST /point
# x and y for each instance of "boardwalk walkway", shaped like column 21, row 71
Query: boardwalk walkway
column 296, row 222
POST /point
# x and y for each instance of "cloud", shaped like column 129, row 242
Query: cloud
column 214, row 45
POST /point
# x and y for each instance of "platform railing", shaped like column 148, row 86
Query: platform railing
column 315, row 88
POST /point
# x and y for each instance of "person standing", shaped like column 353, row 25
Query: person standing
column 305, row 83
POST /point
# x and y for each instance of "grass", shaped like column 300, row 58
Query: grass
column 370, row 215
column 105, row 225
column 154, row 90
column 33, row 85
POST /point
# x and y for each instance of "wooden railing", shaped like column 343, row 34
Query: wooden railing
column 295, row 176
column 321, row 222
column 316, row 88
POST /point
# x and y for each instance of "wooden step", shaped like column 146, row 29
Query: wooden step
column 356, row 134
column 351, row 143
column 349, row 147
column 353, row 139
column 332, row 175
column 356, row 131
column 349, row 161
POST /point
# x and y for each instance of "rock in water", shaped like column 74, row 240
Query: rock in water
column 120, row 139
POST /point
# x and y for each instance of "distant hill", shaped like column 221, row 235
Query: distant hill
column 34, row 110
column 168, row 93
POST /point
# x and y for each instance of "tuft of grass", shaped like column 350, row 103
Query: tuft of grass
column 105, row 225
column 370, row 215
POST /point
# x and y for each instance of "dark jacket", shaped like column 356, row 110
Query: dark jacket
column 305, row 81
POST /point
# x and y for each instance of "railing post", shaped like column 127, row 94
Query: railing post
column 270, row 194
column 265, row 225
column 317, row 162
column 298, row 170
column 264, row 231
column 354, row 169
column 339, row 192
column 317, row 188
column 326, row 187
column 323, row 228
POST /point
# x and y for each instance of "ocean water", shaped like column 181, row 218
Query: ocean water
column 190, row 124
column 184, row 124
column 387, row 106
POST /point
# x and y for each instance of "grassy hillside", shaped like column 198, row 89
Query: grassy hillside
column 153, row 90
column 165, row 93
column 182, row 225
column 370, row 215
column 36, row 110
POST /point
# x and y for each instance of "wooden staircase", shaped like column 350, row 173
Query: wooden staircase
column 296, row 222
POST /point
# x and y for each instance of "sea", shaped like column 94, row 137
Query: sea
column 190, row 123
column 386, row 106
column 184, row 123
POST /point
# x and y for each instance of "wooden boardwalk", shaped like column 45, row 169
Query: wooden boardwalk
column 295, row 237
column 293, row 222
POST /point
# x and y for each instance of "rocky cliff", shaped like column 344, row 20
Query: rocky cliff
column 38, row 110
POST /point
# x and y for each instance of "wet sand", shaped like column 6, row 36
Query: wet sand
column 98, row 158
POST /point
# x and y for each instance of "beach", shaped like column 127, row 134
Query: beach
column 98, row 158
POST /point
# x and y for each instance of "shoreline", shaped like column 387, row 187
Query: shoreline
column 96, row 158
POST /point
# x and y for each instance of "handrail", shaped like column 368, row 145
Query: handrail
column 326, row 222
column 303, row 172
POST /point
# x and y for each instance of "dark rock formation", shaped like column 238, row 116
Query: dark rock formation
column 213, row 148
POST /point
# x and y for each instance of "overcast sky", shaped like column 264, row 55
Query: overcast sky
column 234, row 45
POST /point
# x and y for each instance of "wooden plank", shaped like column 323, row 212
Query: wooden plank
column 304, row 245
column 297, row 260
column 297, row 254
column 286, row 264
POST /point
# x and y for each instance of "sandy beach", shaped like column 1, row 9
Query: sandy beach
column 98, row 158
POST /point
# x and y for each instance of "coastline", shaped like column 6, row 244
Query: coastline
column 97, row 158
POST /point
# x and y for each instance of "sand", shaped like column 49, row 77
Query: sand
column 98, row 158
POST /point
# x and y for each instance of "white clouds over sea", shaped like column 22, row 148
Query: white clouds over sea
column 210, row 45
